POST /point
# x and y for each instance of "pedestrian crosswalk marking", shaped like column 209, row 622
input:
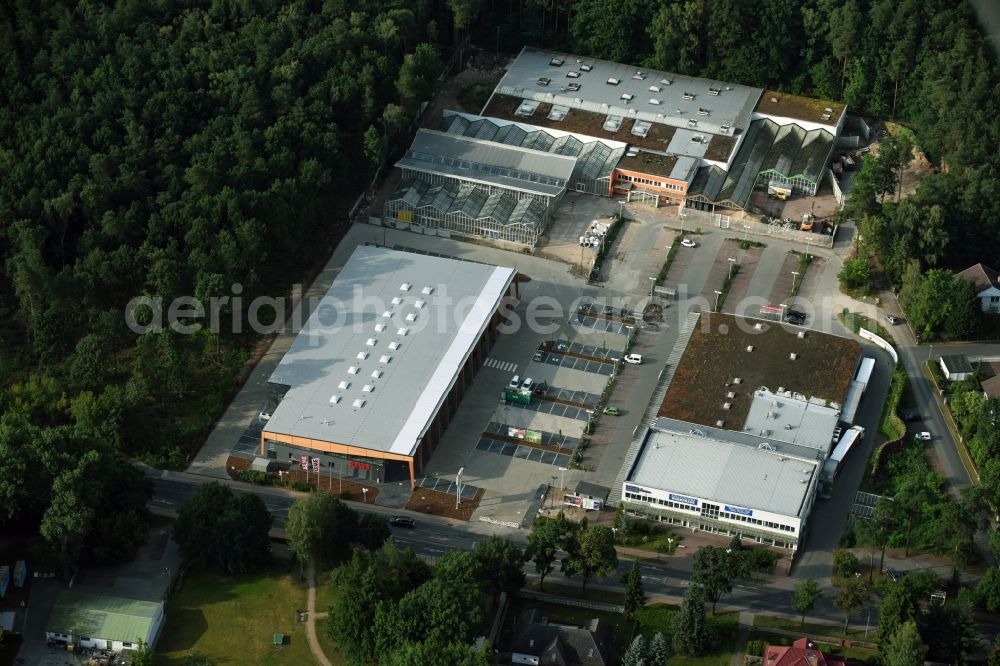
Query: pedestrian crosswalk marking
column 506, row 366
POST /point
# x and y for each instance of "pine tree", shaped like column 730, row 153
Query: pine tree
column 658, row 651
column 690, row 626
column 635, row 597
column 635, row 655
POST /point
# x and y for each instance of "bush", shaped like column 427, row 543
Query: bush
column 755, row 648
column 254, row 476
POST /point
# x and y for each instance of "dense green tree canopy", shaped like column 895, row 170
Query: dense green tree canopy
column 223, row 530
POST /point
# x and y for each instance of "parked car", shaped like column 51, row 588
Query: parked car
column 539, row 356
column 541, row 388
column 611, row 410
column 634, row 359
column 402, row 521
column 795, row 317
column 687, row 242
column 527, row 383
column 515, row 382
column 894, row 320
column 923, row 436
column 911, row 416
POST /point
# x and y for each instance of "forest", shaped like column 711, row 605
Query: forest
column 174, row 148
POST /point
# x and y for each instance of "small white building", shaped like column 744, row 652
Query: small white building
column 956, row 367
column 987, row 282
column 94, row 620
column 724, row 482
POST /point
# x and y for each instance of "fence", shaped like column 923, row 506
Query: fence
column 566, row 601
column 838, row 193
column 880, row 341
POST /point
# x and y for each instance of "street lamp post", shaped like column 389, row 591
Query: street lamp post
column 652, row 285
column 364, row 496
column 732, row 262
column 458, row 487
column 746, row 232
column 784, row 306
column 562, row 478
column 552, row 494
column 795, row 275
column 717, row 294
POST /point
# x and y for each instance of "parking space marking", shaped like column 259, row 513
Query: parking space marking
column 506, row 366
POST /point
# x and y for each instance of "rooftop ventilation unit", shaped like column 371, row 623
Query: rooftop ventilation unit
column 387, row 314
column 396, row 300
column 687, row 96
column 627, row 97
column 639, row 76
column 699, row 433
column 393, row 346
column 613, row 81
column 792, row 356
column 654, row 88
column 362, row 356
column 654, row 101
column 720, row 423
column 781, row 389
column 774, row 100
column 344, row 385
column 427, row 291
column 749, row 348
column 824, row 116
column 367, row 388
column 376, row 374
column 666, row 82
column 334, row 399
column 543, row 81
column 572, row 74
column 758, row 326
column 788, row 426
column 692, row 122
column 379, row 328
column 419, row 304
column 412, row 317
column 384, row 359
column 727, row 405
column 402, row 331
column 353, row 370
column 702, row 112
column 586, row 68
column 573, row 87
column 358, row 404
column 405, row 286
column 737, row 380
column 828, row 110
column 802, row 334
column 370, row 342
column 557, row 62
column 713, row 91
column 766, row 446
column 730, row 395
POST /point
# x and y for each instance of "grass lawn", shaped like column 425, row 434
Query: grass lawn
column 810, row 628
column 563, row 590
column 233, row 619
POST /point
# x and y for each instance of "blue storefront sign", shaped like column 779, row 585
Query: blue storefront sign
column 682, row 499
column 739, row 510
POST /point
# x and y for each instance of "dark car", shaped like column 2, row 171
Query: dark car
column 795, row 317
column 911, row 416
column 402, row 521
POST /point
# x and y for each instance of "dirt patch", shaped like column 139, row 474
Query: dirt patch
column 443, row 504
column 717, row 353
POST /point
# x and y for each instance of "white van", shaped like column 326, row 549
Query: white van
column 528, row 383
column 515, row 382
column 634, row 359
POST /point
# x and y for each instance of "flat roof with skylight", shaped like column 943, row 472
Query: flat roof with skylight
column 626, row 91
column 715, row 465
column 381, row 351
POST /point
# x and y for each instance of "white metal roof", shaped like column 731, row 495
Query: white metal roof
column 406, row 384
column 707, row 463
column 793, row 420
column 488, row 162
column 716, row 107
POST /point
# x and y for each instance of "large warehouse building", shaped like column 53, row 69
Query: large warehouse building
column 372, row 380
column 739, row 446
column 650, row 136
